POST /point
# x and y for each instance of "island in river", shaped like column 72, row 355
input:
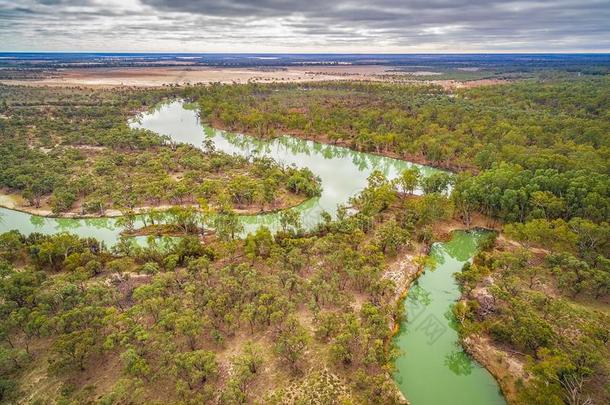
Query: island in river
column 97, row 165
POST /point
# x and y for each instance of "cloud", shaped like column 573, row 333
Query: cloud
column 312, row 25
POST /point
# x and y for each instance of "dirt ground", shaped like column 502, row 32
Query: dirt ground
column 159, row 76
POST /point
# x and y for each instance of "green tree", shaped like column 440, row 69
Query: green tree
column 194, row 369
column 409, row 179
column 291, row 342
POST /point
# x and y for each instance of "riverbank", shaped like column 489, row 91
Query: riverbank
column 431, row 336
column 408, row 267
column 506, row 368
column 325, row 140
column 16, row 202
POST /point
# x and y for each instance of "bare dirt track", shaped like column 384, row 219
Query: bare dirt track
column 180, row 75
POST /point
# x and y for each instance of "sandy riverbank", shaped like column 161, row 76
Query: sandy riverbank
column 18, row 203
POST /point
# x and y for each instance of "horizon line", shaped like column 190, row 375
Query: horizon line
column 605, row 52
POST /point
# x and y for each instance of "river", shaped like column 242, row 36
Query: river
column 343, row 173
column 435, row 374
column 434, row 369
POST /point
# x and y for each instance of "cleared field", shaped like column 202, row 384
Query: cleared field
column 159, row 76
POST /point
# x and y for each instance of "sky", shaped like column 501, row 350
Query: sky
column 350, row 26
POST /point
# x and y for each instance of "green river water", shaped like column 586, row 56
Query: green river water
column 428, row 374
column 343, row 173
column 434, row 369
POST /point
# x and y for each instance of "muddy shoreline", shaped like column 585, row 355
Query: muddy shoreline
column 506, row 369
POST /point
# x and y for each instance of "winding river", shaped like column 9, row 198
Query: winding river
column 434, row 374
column 343, row 173
column 434, row 368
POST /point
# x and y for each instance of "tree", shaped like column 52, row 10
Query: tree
column 378, row 195
column 259, row 244
column 190, row 324
column 185, row 218
column 135, row 364
column 431, row 208
column 553, row 234
column 195, row 368
column 290, row 219
column 409, row 179
column 291, row 342
column 548, row 204
column 245, row 367
column 72, row 350
column 62, row 200
column 126, row 220
column 53, row 250
column 227, row 225
column 391, row 237
column 465, row 198
column 436, row 182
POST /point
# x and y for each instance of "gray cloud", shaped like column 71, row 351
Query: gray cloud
column 312, row 25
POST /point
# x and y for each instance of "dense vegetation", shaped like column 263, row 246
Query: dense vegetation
column 294, row 316
column 542, row 149
column 534, row 154
column 303, row 317
column 537, row 125
column 72, row 150
column 549, row 304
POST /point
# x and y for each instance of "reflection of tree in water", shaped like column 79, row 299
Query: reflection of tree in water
column 67, row 223
column 100, row 223
column 438, row 253
column 328, row 153
column 37, row 221
column 418, row 295
column 452, row 320
column 361, row 160
column 463, row 244
column 361, row 164
column 161, row 244
column 310, row 211
column 295, row 145
column 209, row 131
column 244, row 143
column 459, row 362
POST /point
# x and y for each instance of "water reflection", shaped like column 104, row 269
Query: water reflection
column 460, row 248
column 100, row 223
column 65, row 224
column 417, row 295
column 37, row 221
column 343, row 172
column 429, row 337
column 459, row 362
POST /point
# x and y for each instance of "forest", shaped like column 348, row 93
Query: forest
column 546, row 298
column 533, row 157
column 528, row 150
column 229, row 321
column 72, row 151
column 304, row 316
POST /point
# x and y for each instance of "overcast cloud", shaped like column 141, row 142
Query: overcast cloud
column 305, row 25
